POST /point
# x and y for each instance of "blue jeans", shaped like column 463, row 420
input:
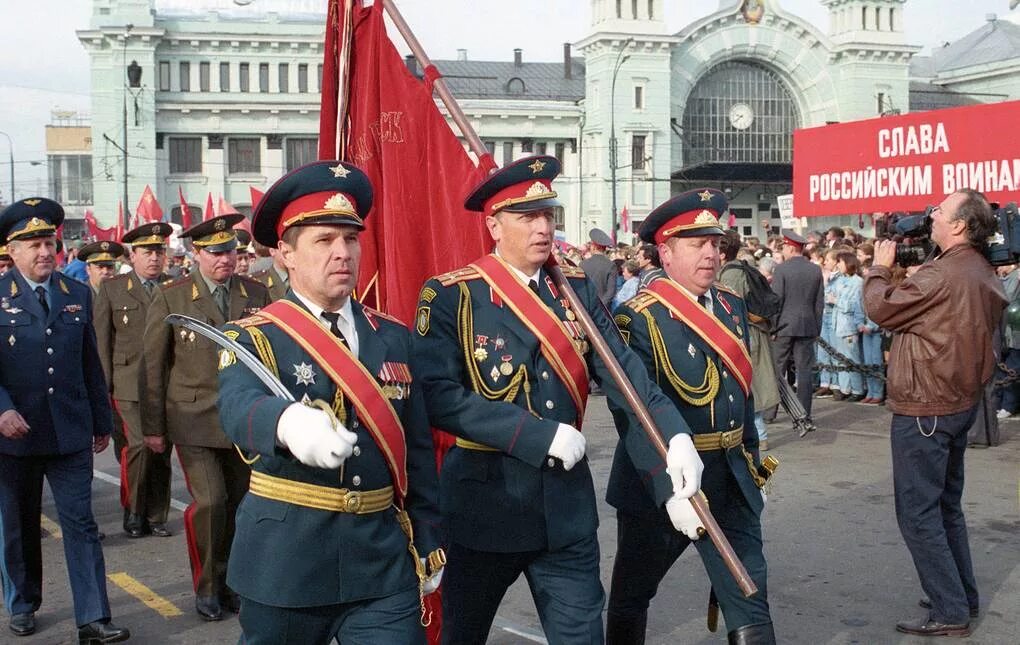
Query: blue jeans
column 1008, row 395
column 759, row 425
column 822, row 358
column 849, row 346
column 927, row 454
column 871, row 346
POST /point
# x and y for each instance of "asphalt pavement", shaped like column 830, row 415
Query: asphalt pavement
column 838, row 570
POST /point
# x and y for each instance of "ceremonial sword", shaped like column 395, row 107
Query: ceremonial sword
column 260, row 371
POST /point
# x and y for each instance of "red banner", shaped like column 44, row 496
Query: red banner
column 148, row 209
column 905, row 163
column 185, row 210
column 419, row 170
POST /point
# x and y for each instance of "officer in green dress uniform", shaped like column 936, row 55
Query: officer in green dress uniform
column 180, row 402
column 100, row 260
column 505, row 367
column 692, row 336
column 341, row 502
column 121, row 307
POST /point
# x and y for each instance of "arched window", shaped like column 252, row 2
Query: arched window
column 515, row 86
column 740, row 111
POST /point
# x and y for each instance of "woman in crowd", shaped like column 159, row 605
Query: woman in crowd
column 871, row 339
column 631, row 283
column 831, row 276
column 847, row 318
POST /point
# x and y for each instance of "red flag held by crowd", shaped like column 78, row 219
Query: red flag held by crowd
column 185, row 210
column 226, row 208
column 419, row 170
column 625, row 220
column 209, row 213
column 119, row 228
column 148, row 209
column 256, row 196
column 96, row 233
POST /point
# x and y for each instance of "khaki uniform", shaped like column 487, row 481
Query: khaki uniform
column 119, row 319
column 180, row 404
column 271, row 278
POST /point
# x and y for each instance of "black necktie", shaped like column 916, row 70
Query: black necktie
column 703, row 301
column 533, row 285
column 220, row 296
column 41, row 292
column 334, row 326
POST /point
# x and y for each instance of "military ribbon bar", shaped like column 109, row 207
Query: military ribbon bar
column 556, row 342
column 357, row 384
column 731, row 349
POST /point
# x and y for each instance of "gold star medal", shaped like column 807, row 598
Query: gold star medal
column 481, row 354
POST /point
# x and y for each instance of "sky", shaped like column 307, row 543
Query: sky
column 43, row 66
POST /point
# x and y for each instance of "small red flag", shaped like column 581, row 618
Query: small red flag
column 118, row 230
column 732, row 222
column 256, row 196
column 148, row 209
column 625, row 220
column 226, row 208
column 208, row 214
column 185, row 210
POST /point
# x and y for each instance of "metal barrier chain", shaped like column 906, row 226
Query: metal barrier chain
column 848, row 365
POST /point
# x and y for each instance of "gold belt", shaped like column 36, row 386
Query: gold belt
column 324, row 498
column 719, row 440
column 473, row 445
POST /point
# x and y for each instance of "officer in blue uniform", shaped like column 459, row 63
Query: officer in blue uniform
column 319, row 551
column 54, row 413
column 713, row 399
column 516, row 490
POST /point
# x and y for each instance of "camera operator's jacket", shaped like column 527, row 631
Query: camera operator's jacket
column 943, row 319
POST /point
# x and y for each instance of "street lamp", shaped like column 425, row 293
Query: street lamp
column 134, row 79
column 10, row 146
column 621, row 58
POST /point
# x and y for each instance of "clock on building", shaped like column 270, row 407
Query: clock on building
column 741, row 116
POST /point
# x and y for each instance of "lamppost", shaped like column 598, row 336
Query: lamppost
column 10, row 146
column 621, row 58
column 134, row 80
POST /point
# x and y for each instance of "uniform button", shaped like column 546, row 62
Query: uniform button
column 732, row 423
column 49, row 332
column 49, row 350
column 49, row 371
column 357, row 451
column 725, row 374
column 356, row 480
column 354, row 425
column 545, row 376
column 731, row 398
column 49, row 390
column 551, row 462
column 549, row 405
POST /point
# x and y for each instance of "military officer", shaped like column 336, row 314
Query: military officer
column 54, row 413
column 275, row 277
column 121, row 306
column 505, row 367
column 692, row 336
column 360, row 472
column 599, row 268
column 180, row 402
column 245, row 252
column 100, row 260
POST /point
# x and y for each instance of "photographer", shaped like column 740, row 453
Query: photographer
column 943, row 318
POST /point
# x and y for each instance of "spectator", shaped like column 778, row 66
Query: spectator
column 871, row 339
column 1010, row 352
column 831, row 278
column 648, row 261
column 631, row 283
column 848, row 316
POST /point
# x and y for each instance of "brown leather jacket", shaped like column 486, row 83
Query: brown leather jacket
column 943, row 319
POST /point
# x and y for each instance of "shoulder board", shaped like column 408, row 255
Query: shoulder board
column 120, row 277
column 170, row 284
column 251, row 280
column 250, row 321
column 460, row 275
column 572, row 272
column 721, row 287
column 641, row 301
column 378, row 314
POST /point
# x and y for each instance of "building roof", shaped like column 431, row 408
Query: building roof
column 993, row 42
column 926, row 96
column 288, row 10
column 506, row 80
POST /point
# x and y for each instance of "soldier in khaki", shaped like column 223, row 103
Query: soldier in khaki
column 100, row 260
column 275, row 277
column 180, row 402
column 120, row 309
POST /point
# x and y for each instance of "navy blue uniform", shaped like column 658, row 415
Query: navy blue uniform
column 51, row 375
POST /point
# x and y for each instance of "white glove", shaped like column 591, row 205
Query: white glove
column 309, row 435
column 684, row 466
column 681, row 514
column 432, row 582
column 764, row 500
column 568, row 445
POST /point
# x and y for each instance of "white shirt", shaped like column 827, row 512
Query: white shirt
column 522, row 275
column 345, row 323
column 708, row 296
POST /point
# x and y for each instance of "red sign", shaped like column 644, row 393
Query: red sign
column 906, row 162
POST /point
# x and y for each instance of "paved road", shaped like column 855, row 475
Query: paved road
column 838, row 570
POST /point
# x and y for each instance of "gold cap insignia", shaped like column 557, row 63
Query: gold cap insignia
column 537, row 167
column 105, row 246
column 220, row 224
column 707, row 218
column 537, row 188
column 705, row 196
column 155, row 229
column 339, row 202
column 339, row 171
column 33, row 202
column 35, row 221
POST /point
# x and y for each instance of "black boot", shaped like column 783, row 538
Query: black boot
column 626, row 631
column 759, row 634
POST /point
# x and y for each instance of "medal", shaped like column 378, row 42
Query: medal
column 499, row 343
column 691, row 350
column 506, row 369
column 125, row 319
column 184, row 334
column 481, row 354
column 304, row 374
column 11, row 340
column 191, row 336
column 494, row 374
column 571, row 316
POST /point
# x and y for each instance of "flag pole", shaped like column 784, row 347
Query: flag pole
column 726, row 551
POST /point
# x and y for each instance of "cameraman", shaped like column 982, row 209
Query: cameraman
column 943, row 318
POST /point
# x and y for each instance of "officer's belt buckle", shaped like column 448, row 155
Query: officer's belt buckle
column 719, row 440
column 324, row 498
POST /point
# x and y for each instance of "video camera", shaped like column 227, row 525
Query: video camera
column 1001, row 248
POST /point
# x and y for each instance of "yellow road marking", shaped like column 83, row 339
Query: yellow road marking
column 150, row 598
column 50, row 527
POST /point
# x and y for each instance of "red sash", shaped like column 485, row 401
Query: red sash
column 731, row 349
column 352, row 378
column 557, row 344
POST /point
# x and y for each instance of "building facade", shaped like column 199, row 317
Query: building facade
column 228, row 98
column 69, row 167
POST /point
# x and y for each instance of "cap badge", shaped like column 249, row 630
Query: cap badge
column 105, row 246
column 35, row 221
column 339, row 171
column 155, row 229
column 537, row 166
column 706, row 217
column 33, row 202
column 537, row 188
column 339, row 202
column 220, row 225
column 705, row 196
